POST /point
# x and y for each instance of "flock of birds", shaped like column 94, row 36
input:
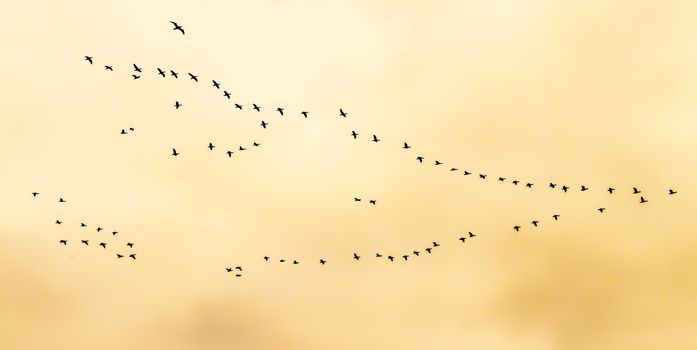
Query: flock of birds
column 420, row 159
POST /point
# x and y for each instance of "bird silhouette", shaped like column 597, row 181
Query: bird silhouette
column 390, row 257
column 266, row 258
column 88, row 59
column 565, row 188
column 113, row 233
column 420, row 159
column 416, row 252
column 356, row 199
column 378, row 255
column 256, row 108
column 670, row 191
column 109, row 68
column 216, row 85
column 375, row 138
column 601, row 209
column 133, row 256
column 161, row 72
column 584, row 188
column 462, row 239
column 502, row 179
column 643, row 200
column 515, row 182
column 372, row 201
column 453, row 169
column 119, row 256
column 211, row 146
column 321, row 261
column 82, row 224
column 406, row 146
column 356, row 256
column 238, row 268
column 103, row 245
column 535, row 222
column 428, row 250
column 435, row 244
column 58, row 222
column 63, row 242
column 174, row 152
column 238, row 275
column 482, row 176
column 610, row 189
column 242, row 148
column 137, row 69
column 135, row 76
column 132, row 129
column 467, row 173
column 193, row 77
column 123, row 132
column 256, row 144
column 174, row 74
column 282, row 260
column 556, row 216
column 635, row 190
column 264, row 124
column 516, row 228
column 177, row 27
column 238, row 106
column 304, row 113
column 129, row 244
column 472, row 234
column 229, row 154
column 226, row 94
column 34, row 194
column 85, row 242
column 61, row 200
column 228, row 269
column 438, row 162
column 552, row 185
column 342, row 113
column 99, row 229
column 528, row 185
column 280, row 110
column 406, row 257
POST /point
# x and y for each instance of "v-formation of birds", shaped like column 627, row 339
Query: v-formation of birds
column 281, row 112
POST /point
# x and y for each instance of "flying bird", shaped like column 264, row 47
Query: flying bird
column 356, row 199
column 304, row 114
column 467, row 173
column 642, row 200
column 99, row 229
column 85, row 242
column 482, row 176
column 123, row 132
column 516, row 228
column 390, row 257
column 177, row 27
column 378, row 255
column 193, row 77
column 109, row 68
column 462, row 239
column 161, row 72
column 137, row 69
column 535, row 222
column 88, row 59
column 372, row 201
column 63, row 242
column 515, row 182
column 266, row 258
column 566, row 188
column 239, row 268
column 256, row 108
column 177, row 105
column 406, row 146
column 375, row 138
column 216, row 85
column 502, row 179
column 174, row 152
column 601, row 209
column 342, row 113
column 610, row 189
column 472, row 234
column 226, row 94
column 636, row 191
column 61, row 200
column 133, row 256
column 670, row 191
column 453, row 169
column 356, row 256
column 35, row 194
column 228, row 269
column 435, row 244
column 174, row 74
column 211, row 146
column 420, row 159
column 129, row 244
column 551, row 185
column 264, row 124
column 416, row 252
column 82, row 224
column 58, row 222
column 103, row 245
column 113, row 233
column 556, row 216
column 528, row 185
column 229, row 154
column 135, row 76
column 280, row 110
column 256, row 144
column 119, row 256
column 584, row 188
column 322, row 261
column 354, row 134
column 242, row 148
column 238, row 106
column 406, row 257
column 428, row 250
column 438, row 162
column 295, row 262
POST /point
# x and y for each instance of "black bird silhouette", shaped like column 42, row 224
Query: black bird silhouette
column 670, row 191
column 282, row 260
column 406, row 257
column 58, row 222
column 516, row 228
column 238, row 275
column 565, row 188
column 416, row 252
column 264, row 124
column 132, row 129
column 482, row 176
column 129, row 244
column 453, row 169
column 428, row 250
column 174, row 74
column 266, row 258
column 238, row 106
column 502, row 179
column 406, row 146
column 551, row 185
column 135, row 76
column 390, row 257
column 462, row 239
column 109, row 68
column 228, row 269
column 375, row 138
column 304, row 114
column 161, row 72
column 137, row 69
column 229, row 154
column 295, row 262
column 643, row 200
column 601, row 209
column 82, row 224
column 356, row 199
column 378, row 255
column 256, row 108
column 132, row 256
column 99, row 229
column 528, row 185
column 85, row 242
column 372, row 201
column 242, row 148
column 226, row 94
column 61, row 200
column 636, row 191
column 584, row 188
column 174, row 152
column 610, row 189
column 467, row 173
column 472, row 234
column 342, row 113
column 216, row 85
column 63, row 242
column 103, row 245
column 355, row 256
column 113, row 233
column 256, row 144
column 211, row 146
column 35, row 194
column 420, row 159
column 177, row 27
column 88, row 59
column 239, row 268
column 438, row 162
column 123, row 132
column 321, row 261
column 556, row 216
column 515, row 182
column 535, row 222
column 280, row 110
column 435, row 244
column 119, row 256
column 193, row 77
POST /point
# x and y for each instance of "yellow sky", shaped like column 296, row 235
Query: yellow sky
column 582, row 92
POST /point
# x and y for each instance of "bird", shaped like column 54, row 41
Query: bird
column 295, row 262
column 375, row 138
column 61, row 200
column 670, row 191
column 502, row 179
column 229, row 154
column 161, row 72
column 266, row 258
column 406, row 146
column 34, row 194
column 535, row 222
column 58, row 222
column 304, row 113
column 610, row 189
column 82, row 224
column 462, row 239
column 226, row 94
column 280, row 110
column 135, row 76
column 123, row 132
column 282, row 260
column 438, row 162
column 453, row 169
column 435, row 244
column 242, row 148
column 109, row 68
column 528, row 185
column 63, row 242
column 601, row 209
column 177, row 27
column 177, row 105
column 256, row 108
column 420, row 159
column 238, row 106
column 552, row 185
column 256, row 144
column 406, row 257
column 174, row 152
column 211, row 146
column 238, row 275
column 216, row 85
column 482, row 176
column 174, row 74
column 565, row 188
column 193, row 77
column 228, row 269
column 642, row 200
column 132, row 129
column 356, row 256
column 428, row 250
column 584, row 188
column 103, row 245
column 99, row 229
column 85, row 242
column 239, row 268
column 416, row 252
column 467, row 173
column 515, row 182
column 132, row 256
column 129, row 244
column 390, row 257
column 472, row 234
column 356, row 199
column 321, row 261
column 264, row 124
column 516, row 228
column 372, row 201
column 137, row 69
column 119, row 256
column 88, row 59
column 113, row 233
column 636, row 191
column 556, row 216
column 378, row 255
column 342, row 113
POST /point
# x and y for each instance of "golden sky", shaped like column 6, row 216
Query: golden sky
column 593, row 93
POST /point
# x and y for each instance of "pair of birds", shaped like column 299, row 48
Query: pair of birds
column 123, row 131
column 371, row 201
